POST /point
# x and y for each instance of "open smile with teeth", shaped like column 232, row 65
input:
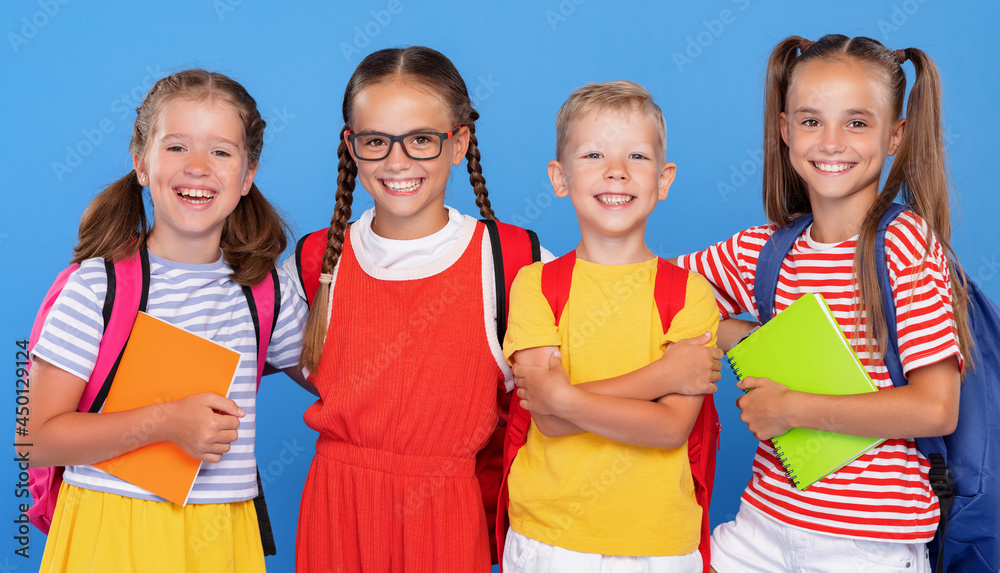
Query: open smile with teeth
column 402, row 186
column 196, row 196
column 832, row 167
column 614, row 199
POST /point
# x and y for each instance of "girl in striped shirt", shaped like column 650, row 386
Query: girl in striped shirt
column 196, row 144
column 832, row 116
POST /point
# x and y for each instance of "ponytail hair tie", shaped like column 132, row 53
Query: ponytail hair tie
column 326, row 278
column 900, row 56
column 804, row 45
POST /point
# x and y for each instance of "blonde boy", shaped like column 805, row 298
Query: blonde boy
column 603, row 482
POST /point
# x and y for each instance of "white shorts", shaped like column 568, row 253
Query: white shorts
column 755, row 542
column 525, row 555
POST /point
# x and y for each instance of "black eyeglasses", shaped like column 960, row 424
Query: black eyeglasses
column 420, row 145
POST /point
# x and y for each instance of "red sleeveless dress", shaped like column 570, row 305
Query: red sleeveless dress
column 408, row 395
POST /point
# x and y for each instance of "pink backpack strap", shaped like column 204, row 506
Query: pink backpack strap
column 264, row 299
column 128, row 289
column 128, row 285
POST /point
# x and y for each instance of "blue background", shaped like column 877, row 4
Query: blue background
column 73, row 74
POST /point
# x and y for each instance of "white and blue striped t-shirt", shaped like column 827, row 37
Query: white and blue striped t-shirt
column 201, row 299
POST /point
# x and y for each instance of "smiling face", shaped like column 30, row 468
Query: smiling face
column 839, row 128
column 612, row 169
column 408, row 194
column 197, row 170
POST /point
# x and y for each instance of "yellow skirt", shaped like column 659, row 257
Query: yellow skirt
column 103, row 532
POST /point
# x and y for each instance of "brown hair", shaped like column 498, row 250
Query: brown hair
column 418, row 64
column 114, row 225
column 617, row 95
column 917, row 176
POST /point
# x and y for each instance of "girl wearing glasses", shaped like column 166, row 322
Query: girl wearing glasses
column 409, row 375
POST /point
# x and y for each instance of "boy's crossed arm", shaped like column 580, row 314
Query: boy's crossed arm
column 655, row 405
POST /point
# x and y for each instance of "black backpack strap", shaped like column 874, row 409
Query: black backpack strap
column 498, row 278
column 259, row 504
column 264, row 520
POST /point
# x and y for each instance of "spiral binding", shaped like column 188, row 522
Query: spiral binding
column 735, row 368
column 789, row 472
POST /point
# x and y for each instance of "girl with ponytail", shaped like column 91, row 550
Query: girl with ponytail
column 833, row 114
column 195, row 146
column 401, row 340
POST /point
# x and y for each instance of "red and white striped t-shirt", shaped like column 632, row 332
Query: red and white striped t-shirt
column 885, row 493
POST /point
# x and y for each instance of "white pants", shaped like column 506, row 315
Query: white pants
column 756, row 543
column 525, row 555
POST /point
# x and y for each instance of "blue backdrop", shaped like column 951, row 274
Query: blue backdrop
column 74, row 73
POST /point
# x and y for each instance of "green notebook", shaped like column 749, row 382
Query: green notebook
column 803, row 348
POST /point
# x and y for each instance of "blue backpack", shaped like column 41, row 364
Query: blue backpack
column 965, row 465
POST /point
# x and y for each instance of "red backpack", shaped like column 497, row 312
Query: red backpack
column 668, row 291
column 128, row 290
column 513, row 248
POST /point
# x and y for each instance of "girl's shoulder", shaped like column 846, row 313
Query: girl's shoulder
column 909, row 239
column 749, row 242
column 92, row 276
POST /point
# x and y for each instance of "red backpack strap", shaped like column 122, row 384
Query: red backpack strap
column 512, row 248
column 669, row 291
column 309, row 261
column 557, row 277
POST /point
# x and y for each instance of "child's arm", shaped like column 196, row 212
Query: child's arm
column 732, row 330
column 665, row 423
column 689, row 366
column 547, row 424
column 296, row 374
column 203, row 425
column 926, row 406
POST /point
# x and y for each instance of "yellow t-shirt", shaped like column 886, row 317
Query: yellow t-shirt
column 584, row 492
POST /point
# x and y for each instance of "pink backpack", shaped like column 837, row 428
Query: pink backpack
column 128, row 289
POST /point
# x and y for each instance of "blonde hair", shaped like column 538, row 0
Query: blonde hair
column 619, row 95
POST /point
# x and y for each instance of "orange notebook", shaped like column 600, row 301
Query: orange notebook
column 162, row 362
